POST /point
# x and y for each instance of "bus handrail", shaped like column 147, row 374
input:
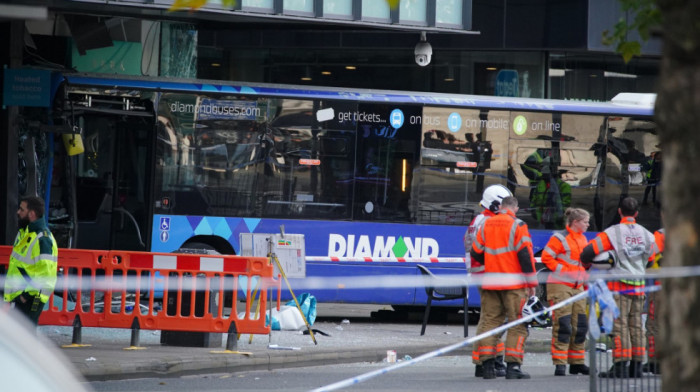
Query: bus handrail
column 133, row 220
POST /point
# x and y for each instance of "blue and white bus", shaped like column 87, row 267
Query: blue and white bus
column 376, row 181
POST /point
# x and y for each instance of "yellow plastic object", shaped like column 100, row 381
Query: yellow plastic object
column 73, row 143
column 597, row 310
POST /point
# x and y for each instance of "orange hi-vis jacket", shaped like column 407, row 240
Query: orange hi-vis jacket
column 659, row 240
column 504, row 246
column 562, row 256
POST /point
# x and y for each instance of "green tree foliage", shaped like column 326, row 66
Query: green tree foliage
column 646, row 17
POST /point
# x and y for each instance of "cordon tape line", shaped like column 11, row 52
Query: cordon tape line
column 414, row 280
column 390, row 259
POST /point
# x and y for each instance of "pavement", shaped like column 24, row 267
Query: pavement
column 350, row 333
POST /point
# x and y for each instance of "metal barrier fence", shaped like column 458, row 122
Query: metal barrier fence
column 159, row 291
column 600, row 353
column 601, row 360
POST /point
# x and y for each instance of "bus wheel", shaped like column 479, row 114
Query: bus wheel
column 198, row 248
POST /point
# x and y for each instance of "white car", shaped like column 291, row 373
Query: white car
column 31, row 362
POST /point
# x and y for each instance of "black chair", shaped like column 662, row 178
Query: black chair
column 442, row 289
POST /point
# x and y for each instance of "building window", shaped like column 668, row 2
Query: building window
column 376, row 11
column 413, row 12
column 299, row 7
column 337, row 9
column 598, row 78
column 259, row 5
column 448, row 13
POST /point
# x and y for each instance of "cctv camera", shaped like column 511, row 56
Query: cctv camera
column 423, row 52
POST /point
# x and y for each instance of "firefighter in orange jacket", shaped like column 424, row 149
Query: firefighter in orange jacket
column 633, row 246
column 491, row 203
column 569, row 323
column 503, row 245
column 651, row 325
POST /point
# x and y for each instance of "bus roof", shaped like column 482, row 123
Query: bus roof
column 627, row 104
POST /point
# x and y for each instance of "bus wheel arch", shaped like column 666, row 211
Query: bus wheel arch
column 210, row 244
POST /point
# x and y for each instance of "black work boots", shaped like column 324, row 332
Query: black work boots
column 560, row 370
column 622, row 370
column 579, row 369
column 489, row 369
column 514, row 372
column 618, row 370
column 651, row 367
column 498, row 366
column 635, row 369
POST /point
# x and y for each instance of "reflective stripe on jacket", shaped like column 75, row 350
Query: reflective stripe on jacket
column 504, row 243
column 33, row 263
column 562, row 257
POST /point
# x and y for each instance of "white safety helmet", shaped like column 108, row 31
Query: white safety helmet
column 604, row 260
column 532, row 306
column 493, row 195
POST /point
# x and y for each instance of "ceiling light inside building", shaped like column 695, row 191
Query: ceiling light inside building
column 610, row 74
column 306, row 76
column 450, row 74
column 350, row 67
column 556, row 72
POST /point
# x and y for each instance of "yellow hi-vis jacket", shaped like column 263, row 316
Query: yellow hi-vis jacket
column 33, row 263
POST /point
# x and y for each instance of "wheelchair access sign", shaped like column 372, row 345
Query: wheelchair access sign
column 164, row 229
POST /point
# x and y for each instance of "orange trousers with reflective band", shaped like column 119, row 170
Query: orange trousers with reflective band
column 569, row 326
column 652, row 327
column 500, row 347
column 628, row 337
column 496, row 306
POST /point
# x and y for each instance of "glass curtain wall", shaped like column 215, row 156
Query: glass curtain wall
column 599, row 77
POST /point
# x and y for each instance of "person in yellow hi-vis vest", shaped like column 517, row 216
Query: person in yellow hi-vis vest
column 32, row 271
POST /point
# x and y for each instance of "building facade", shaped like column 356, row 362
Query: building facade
column 524, row 48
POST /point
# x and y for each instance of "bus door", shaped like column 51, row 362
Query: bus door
column 112, row 176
